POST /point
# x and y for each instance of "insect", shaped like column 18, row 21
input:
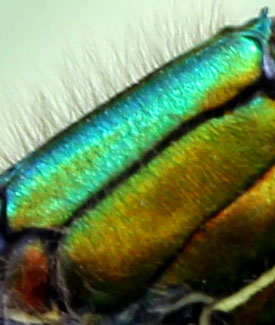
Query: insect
column 149, row 205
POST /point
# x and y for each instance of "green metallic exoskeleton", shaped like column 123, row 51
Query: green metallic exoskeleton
column 170, row 184
column 97, row 150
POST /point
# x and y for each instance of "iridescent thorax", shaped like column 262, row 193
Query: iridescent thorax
column 169, row 184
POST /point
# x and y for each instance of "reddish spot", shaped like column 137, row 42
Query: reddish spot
column 32, row 285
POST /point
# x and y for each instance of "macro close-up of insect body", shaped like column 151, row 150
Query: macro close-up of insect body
column 159, row 206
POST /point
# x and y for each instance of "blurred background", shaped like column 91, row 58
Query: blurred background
column 59, row 59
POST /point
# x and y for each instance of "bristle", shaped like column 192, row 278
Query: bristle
column 31, row 113
column 91, row 74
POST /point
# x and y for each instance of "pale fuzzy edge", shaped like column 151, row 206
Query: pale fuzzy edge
column 87, row 80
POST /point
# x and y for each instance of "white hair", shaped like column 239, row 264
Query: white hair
column 90, row 74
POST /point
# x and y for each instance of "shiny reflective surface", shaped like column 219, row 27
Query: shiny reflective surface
column 125, row 239
column 55, row 181
column 81, row 229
